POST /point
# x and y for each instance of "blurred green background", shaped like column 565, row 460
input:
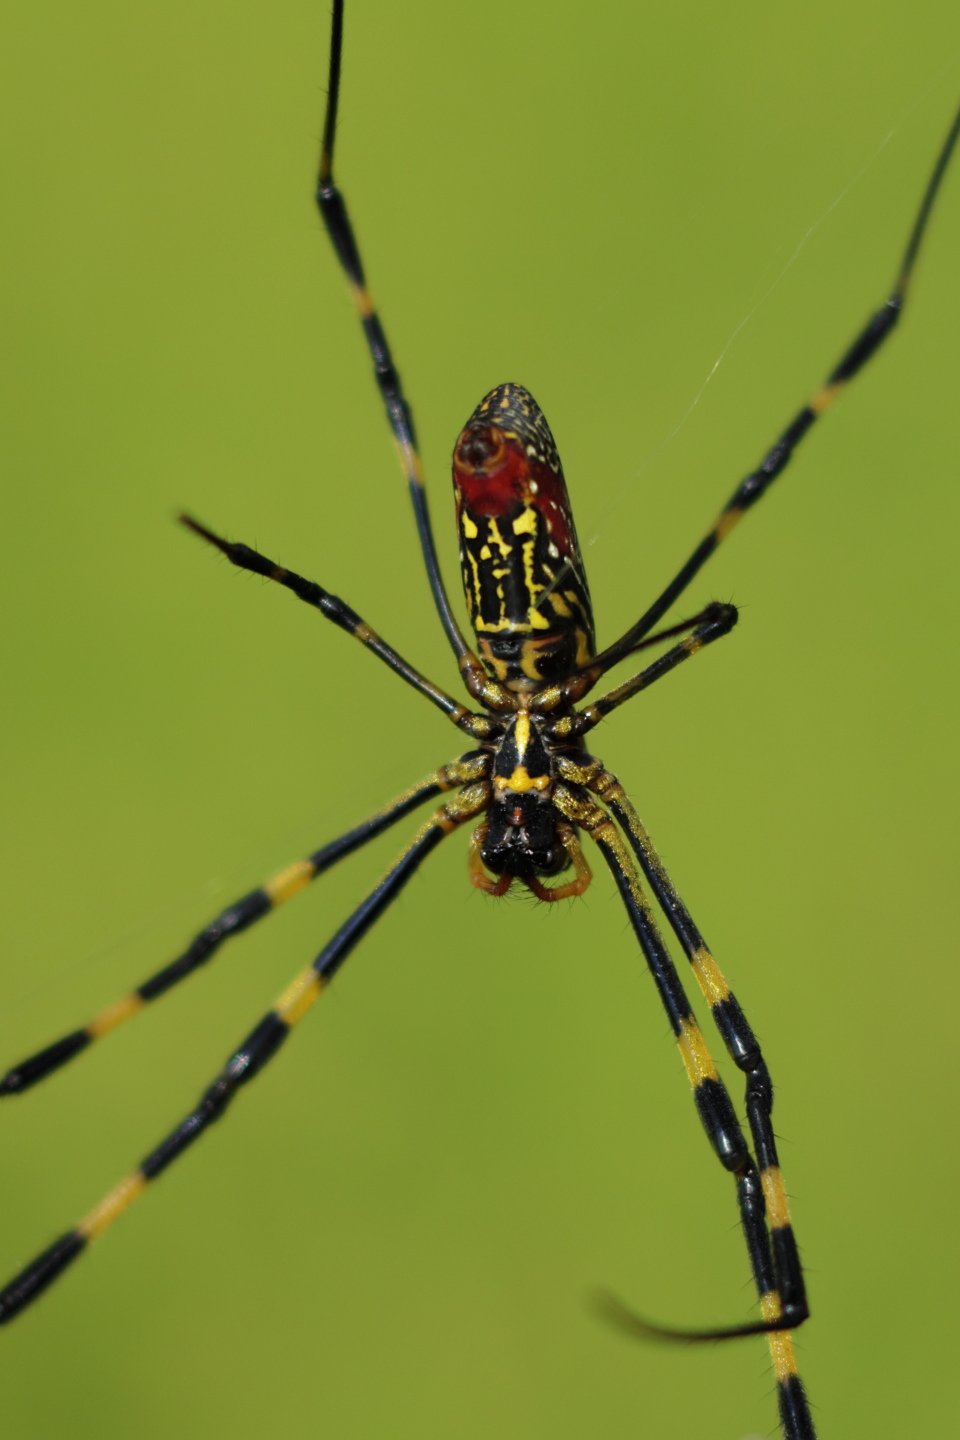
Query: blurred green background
column 394, row 1233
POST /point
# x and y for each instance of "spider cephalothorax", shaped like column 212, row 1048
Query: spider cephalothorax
column 524, row 835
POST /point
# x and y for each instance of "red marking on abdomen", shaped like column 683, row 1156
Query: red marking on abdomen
column 493, row 475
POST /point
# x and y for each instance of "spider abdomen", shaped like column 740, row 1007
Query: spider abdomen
column 523, row 575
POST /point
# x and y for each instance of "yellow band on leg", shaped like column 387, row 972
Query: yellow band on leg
column 298, row 997
column 781, row 1344
column 115, row 1015
column 289, row 881
column 710, row 977
column 778, row 1210
column 112, row 1205
column 696, row 1057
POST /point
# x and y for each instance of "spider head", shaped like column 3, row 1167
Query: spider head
column 521, row 837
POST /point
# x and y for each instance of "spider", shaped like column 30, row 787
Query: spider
column 528, row 789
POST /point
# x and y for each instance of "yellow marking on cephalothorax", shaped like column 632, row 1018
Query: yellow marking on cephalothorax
column 469, row 528
column 115, row 1015
column 778, row 1211
column 521, row 732
column 825, row 396
column 521, row 781
column 696, row 1057
column 298, row 997
column 493, row 530
column 780, row 1342
column 526, row 522
column 726, row 523
column 289, row 881
column 112, row 1205
column 710, row 977
column 363, row 301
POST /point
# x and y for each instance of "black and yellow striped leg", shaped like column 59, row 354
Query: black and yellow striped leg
column 717, row 1115
column 790, row 1301
column 748, row 492
column 333, row 211
column 238, row 917
column 716, row 621
column 247, row 1060
column 333, row 608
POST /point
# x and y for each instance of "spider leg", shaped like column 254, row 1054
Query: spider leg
column 333, row 608
column 333, row 210
column 237, row 917
column 716, row 621
column 248, row 1059
column 737, row 1035
column 719, row 1120
column 749, row 491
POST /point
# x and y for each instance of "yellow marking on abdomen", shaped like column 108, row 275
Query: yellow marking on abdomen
column 710, row 977
column 533, row 586
column 114, row 1204
column 526, row 523
column 493, row 531
column 115, row 1015
column 469, row 528
column 289, row 881
column 781, row 1345
column 696, row 1057
column 298, row 997
column 778, row 1211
